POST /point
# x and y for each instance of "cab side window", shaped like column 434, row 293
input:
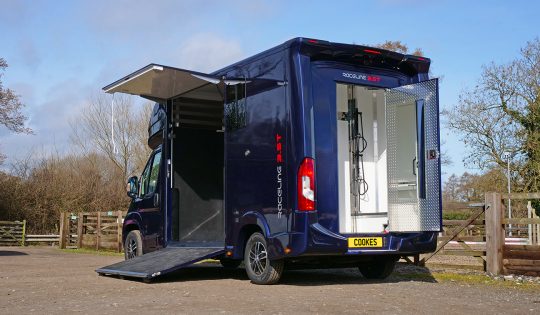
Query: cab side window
column 150, row 175
column 154, row 173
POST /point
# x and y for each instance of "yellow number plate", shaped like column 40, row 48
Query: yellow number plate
column 363, row 242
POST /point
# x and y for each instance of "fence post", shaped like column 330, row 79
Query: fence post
column 62, row 243
column 80, row 221
column 23, row 238
column 119, row 230
column 494, row 233
column 98, row 228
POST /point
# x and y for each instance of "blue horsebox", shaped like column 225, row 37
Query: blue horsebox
column 309, row 154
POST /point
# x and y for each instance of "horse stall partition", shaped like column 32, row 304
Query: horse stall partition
column 95, row 230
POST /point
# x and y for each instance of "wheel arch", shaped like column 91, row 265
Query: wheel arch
column 243, row 235
column 130, row 224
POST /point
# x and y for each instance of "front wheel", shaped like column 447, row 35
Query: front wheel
column 133, row 245
column 259, row 268
column 378, row 269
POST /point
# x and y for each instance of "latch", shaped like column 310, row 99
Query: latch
column 433, row 154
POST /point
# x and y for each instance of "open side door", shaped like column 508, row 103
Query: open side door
column 412, row 114
column 160, row 83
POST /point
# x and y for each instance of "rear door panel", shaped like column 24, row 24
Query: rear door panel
column 413, row 159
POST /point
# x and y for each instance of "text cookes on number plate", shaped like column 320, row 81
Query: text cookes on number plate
column 365, row 242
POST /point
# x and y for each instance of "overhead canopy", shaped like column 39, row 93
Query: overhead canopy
column 159, row 83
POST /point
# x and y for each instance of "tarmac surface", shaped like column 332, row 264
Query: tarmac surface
column 45, row 280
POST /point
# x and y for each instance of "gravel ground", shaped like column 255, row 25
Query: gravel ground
column 49, row 281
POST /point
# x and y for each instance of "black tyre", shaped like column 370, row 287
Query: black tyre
column 133, row 246
column 378, row 269
column 228, row 263
column 259, row 268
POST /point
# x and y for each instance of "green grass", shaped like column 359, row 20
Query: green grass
column 483, row 279
column 471, row 279
column 87, row 251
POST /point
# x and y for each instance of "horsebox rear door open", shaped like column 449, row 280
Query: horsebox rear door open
column 412, row 115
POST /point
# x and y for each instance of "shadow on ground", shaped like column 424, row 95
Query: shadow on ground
column 310, row 277
column 11, row 253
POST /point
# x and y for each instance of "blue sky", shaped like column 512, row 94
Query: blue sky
column 60, row 53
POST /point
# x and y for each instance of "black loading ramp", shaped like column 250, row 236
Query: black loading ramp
column 163, row 261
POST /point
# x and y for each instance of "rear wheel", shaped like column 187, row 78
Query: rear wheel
column 259, row 268
column 133, row 245
column 378, row 269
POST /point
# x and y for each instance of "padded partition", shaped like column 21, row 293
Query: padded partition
column 198, row 186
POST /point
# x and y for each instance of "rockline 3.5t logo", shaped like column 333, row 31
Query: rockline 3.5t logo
column 279, row 176
column 361, row 76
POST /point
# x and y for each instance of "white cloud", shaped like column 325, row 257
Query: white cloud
column 207, row 52
column 28, row 53
column 49, row 120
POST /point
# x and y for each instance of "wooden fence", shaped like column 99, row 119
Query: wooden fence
column 96, row 230
column 12, row 233
column 483, row 236
column 461, row 238
column 503, row 258
column 43, row 238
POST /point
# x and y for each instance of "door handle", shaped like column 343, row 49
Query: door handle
column 414, row 166
column 156, row 200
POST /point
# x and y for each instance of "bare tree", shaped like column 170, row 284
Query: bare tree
column 500, row 114
column 399, row 47
column 10, row 108
column 141, row 150
column 92, row 178
column 114, row 129
column 43, row 185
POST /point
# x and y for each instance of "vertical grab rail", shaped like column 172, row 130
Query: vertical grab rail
column 357, row 146
column 421, row 147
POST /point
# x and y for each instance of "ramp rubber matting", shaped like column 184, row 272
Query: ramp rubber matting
column 151, row 265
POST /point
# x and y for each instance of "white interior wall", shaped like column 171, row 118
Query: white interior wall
column 374, row 204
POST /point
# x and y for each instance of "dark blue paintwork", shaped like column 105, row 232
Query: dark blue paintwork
column 147, row 214
column 302, row 75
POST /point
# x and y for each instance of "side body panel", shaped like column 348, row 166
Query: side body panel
column 256, row 154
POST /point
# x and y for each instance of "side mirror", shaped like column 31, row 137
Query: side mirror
column 133, row 187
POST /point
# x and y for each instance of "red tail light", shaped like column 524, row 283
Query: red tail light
column 306, row 185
